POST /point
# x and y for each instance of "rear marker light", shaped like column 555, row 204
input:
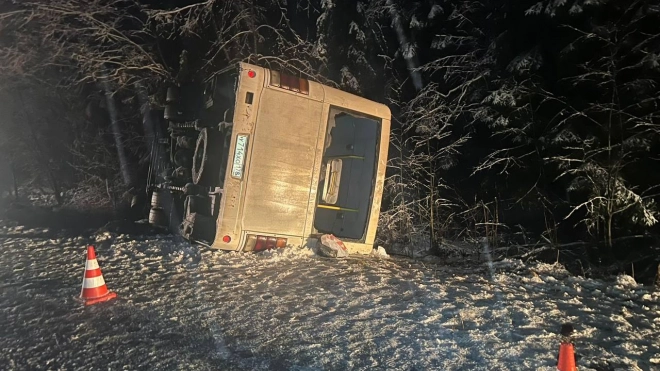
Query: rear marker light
column 252, row 74
column 261, row 243
column 226, row 239
column 288, row 82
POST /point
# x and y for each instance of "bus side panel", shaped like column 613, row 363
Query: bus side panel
column 380, row 180
column 284, row 149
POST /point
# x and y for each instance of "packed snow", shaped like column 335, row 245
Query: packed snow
column 185, row 307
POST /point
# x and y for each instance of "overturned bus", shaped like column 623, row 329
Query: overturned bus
column 276, row 162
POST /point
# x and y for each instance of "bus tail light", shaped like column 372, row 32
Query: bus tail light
column 261, row 243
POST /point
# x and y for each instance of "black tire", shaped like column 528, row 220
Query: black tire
column 157, row 217
column 173, row 94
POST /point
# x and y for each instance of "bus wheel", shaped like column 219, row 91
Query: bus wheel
column 173, row 94
column 206, row 168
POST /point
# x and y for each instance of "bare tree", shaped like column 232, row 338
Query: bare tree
column 241, row 30
column 623, row 122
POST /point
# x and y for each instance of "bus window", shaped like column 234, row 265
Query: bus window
column 353, row 140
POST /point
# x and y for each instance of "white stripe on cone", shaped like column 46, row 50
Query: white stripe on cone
column 92, row 264
column 90, row 283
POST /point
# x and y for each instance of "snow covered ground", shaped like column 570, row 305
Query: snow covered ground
column 189, row 308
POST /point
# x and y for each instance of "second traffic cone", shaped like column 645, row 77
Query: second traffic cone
column 94, row 289
column 566, row 358
column 566, row 361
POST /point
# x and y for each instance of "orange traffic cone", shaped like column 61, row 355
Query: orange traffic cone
column 566, row 358
column 94, row 289
column 566, row 361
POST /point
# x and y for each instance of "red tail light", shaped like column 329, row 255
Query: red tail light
column 260, row 243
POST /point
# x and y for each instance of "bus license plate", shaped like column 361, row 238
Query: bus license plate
column 239, row 156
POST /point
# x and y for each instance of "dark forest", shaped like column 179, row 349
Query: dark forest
column 533, row 126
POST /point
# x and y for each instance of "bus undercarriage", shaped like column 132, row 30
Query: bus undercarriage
column 189, row 158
